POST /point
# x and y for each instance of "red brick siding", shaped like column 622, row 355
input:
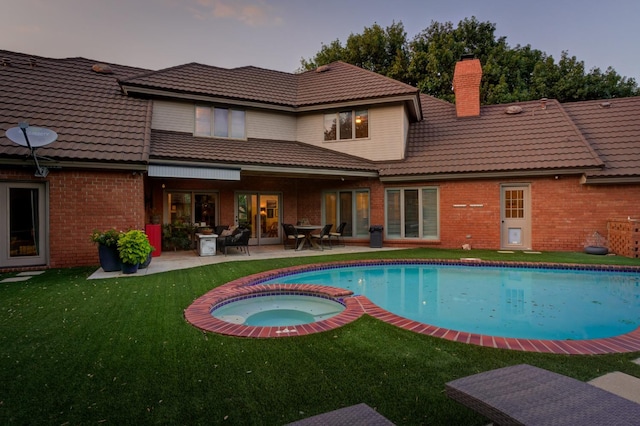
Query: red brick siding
column 83, row 201
column 80, row 201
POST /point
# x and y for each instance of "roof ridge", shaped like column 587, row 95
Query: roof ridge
column 579, row 132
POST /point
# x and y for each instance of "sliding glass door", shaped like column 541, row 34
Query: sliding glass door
column 23, row 224
column 259, row 212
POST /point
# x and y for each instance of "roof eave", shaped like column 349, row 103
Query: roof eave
column 609, row 180
column 482, row 175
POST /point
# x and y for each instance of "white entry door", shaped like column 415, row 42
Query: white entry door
column 516, row 217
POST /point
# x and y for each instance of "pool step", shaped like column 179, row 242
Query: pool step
column 619, row 383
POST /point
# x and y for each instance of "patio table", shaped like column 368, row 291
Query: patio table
column 306, row 230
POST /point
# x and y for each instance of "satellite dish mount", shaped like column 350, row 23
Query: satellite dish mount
column 32, row 138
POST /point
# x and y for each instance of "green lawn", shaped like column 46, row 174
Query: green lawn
column 118, row 351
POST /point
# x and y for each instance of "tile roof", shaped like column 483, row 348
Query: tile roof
column 93, row 119
column 534, row 139
column 339, row 82
column 342, row 82
column 178, row 146
column 245, row 83
column 612, row 127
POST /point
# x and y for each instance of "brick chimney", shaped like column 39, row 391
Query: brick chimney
column 466, row 86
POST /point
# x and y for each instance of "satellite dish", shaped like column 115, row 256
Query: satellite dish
column 32, row 138
column 37, row 136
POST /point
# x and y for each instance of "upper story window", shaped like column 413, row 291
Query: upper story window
column 352, row 124
column 220, row 122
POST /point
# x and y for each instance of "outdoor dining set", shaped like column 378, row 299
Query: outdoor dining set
column 303, row 235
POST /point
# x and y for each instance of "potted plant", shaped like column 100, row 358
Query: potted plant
column 108, row 249
column 134, row 249
column 596, row 244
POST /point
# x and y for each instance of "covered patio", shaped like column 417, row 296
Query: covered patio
column 183, row 259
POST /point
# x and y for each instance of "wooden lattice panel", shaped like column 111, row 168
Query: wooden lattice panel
column 624, row 237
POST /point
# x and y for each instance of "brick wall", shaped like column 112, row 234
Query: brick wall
column 80, row 201
column 83, row 201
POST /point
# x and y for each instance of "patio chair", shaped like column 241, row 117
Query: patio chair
column 338, row 234
column 527, row 395
column 239, row 239
column 323, row 235
column 291, row 236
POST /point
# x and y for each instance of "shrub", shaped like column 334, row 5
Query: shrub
column 134, row 247
column 107, row 238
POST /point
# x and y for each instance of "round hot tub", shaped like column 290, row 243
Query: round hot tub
column 277, row 310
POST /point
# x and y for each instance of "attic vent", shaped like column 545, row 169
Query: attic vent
column 33, row 62
column 605, row 104
column 6, row 62
column 323, row 68
column 513, row 109
column 102, row 69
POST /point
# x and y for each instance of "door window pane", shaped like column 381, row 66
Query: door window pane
column 24, row 222
column 330, row 208
column 362, row 213
column 179, row 207
column 430, row 213
column 514, row 204
column 205, row 209
column 393, row 213
column 411, row 219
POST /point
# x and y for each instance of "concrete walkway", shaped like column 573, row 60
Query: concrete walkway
column 173, row 260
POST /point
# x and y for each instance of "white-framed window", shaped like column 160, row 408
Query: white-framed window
column 348, row 124
column 350, row 206
column 412, row 213
column 220, row 122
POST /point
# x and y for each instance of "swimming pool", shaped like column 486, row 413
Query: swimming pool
column 526, row 303
column 357, row 305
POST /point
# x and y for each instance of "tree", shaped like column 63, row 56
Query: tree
column 509, row 74
column 383, row 51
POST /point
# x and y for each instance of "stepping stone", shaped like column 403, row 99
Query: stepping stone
column 619, row 383
column 14, row 279
column 30, row 273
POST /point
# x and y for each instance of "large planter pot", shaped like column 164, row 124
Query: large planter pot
column 109, row 258
column 146, row 263
column 596, row 250
column 128, row 268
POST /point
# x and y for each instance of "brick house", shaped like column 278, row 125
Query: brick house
column 203, row 144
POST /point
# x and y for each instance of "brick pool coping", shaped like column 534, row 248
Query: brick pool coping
column 199, row 313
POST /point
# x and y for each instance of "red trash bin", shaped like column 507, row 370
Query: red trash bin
column 154, row 233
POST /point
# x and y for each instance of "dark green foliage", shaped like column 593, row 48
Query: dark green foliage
column 510, row 74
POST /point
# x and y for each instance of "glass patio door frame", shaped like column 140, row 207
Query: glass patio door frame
column 39, row 232
column 260, row 211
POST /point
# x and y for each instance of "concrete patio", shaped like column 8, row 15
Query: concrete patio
column 173, row 260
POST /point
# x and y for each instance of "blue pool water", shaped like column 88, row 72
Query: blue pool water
column 278, row 310
column 497, row 301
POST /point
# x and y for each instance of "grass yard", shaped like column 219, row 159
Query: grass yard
column 118, row 351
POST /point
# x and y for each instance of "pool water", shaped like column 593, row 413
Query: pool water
column 278, row 310
column 497, row 301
